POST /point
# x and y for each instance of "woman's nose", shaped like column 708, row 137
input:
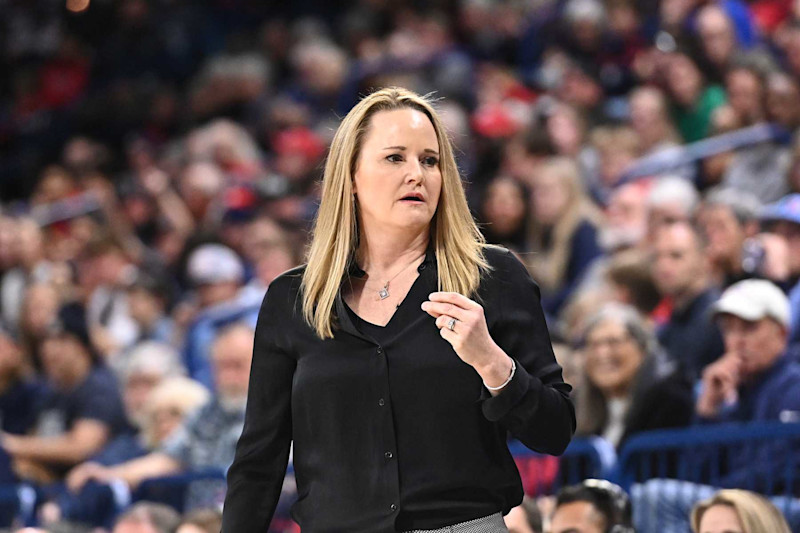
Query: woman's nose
column 415, row 171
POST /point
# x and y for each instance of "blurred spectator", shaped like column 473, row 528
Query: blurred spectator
column 651, row 120
column 631, row 281
column 783, row 100
column 762, row 168
column 146, row 517
column 207, row 439
column 617, row 148
column 717, row 38
column 783, row 219
column 148, row 298
column 27, row 253
column 505, row 213
column 524, row 518
column 269, row 250
column 626, row 217
column 737, row 510
column 201, row 521
column 680, row 273
column 594, row 506
column 670, row 199
column 753, row 381
column 727, row 218
column 145, row 367
column 106, row 270
column 694, row 100
column 166, row 408
column 629, row 385
column 563, row 231
column 81, row 412
column 217, row 275
column 18, row 392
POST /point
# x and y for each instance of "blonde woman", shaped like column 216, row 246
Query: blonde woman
column 737, row 511
column 397, row 359
column 563, row 230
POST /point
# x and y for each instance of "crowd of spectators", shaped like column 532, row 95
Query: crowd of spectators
column 160, row 165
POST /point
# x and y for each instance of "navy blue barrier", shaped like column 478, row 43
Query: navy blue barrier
column 206, row 487
column 17, row 505
column 590, row 457
column 668, row 471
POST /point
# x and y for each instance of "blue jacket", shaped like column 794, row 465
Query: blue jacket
column 772, row 396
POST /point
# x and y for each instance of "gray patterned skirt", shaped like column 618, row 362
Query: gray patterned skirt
column 488, row 524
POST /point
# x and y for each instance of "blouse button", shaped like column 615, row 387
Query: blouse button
column 381, row 402
column 388, row 455
column 393, row 507
column 380, row 351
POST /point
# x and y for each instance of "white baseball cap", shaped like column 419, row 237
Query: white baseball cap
column 754, row 299
column 214, row 263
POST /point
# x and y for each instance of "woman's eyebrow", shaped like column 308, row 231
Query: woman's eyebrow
column 401, row 148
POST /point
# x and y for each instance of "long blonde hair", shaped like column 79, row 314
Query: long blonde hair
column 457, row 240
column 548, row 264
column 755, row 512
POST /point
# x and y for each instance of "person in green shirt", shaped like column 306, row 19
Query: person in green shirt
column 694, row 101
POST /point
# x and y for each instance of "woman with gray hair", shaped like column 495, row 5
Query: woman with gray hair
column 628, row 385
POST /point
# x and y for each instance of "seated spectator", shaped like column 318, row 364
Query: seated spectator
column 753, row 382
column 146, row 517
column 524, row 518
column 625, row 226
column 783, row 219
column 201, row 521
column 694, row 100
column 217, row 275
column 680, row 273
column 650, row 119
column 726, row 218
column 629, row 385
column 617, row 148
column 505, row 213
column 145, row 366
column 594, row 506
column 669, row 200
column 18, row 392
column 737, row 511
column 148, row 297
column 631, row 281
column 207, row 439
column 563, row 231
column 166, row 408
column 79, row 414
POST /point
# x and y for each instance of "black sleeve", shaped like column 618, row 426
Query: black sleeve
column 535, row 406
column 262, row 453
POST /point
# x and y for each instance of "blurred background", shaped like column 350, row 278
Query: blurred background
column 160, row 163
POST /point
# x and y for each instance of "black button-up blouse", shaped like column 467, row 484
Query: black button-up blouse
column 396, row 434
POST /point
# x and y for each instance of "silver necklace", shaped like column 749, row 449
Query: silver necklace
column 384, row 291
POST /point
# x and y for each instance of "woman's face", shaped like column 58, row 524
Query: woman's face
column 612, row 358
column 720, row 519
column 684, row 80
column 399, row 157
column 505, row 206
column 550, row 198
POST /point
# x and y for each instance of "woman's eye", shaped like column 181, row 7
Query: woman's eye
column 394, row 158
column 431, row 161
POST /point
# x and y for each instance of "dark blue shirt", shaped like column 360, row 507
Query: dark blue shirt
column 691, row 337
column 96, row 398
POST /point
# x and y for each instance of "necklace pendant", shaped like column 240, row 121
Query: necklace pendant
column 384, row 292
